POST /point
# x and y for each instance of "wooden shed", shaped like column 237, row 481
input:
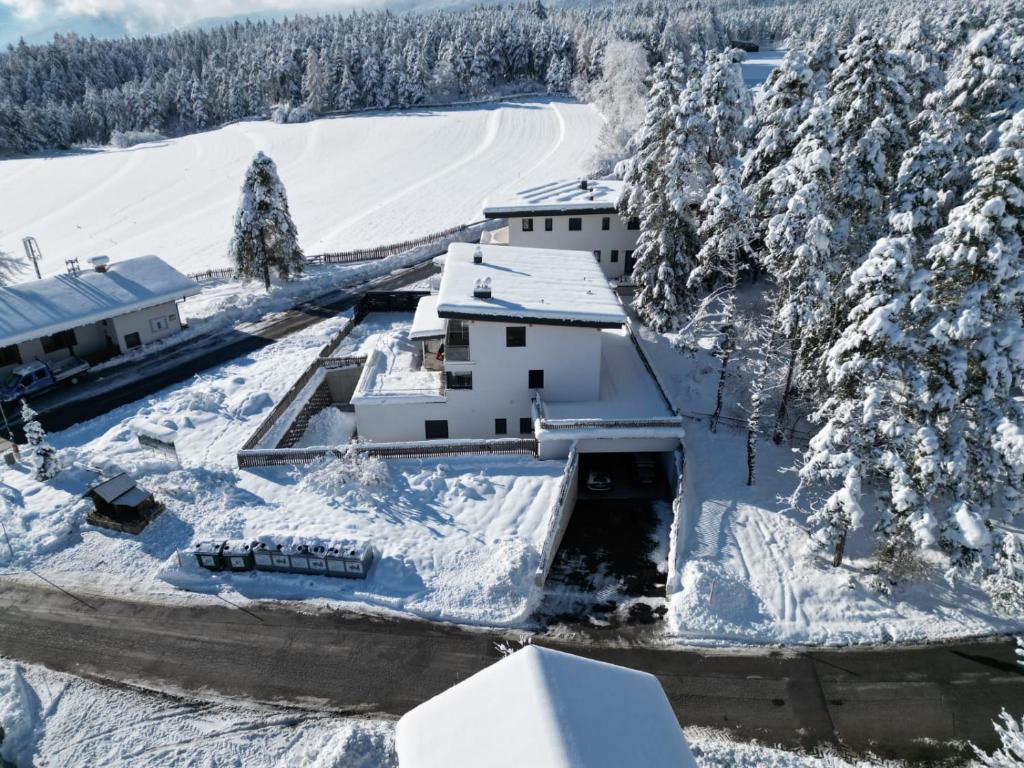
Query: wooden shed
column 121, row 505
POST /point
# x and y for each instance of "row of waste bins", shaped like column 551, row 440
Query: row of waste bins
column 348, row 560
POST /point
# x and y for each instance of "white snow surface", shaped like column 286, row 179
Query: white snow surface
column 528, row 284
column 456, row 540
column 545, row 709
column 558, row 196
column 353, row 181
column 39, row 308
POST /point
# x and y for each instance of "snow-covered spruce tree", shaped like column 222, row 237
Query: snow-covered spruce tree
column 971, row 308
column 44, row 456
column 265, row 237
column 727, row 105
column 10, row 267
column 620, row 96
column 799, row 254
column 315, row 87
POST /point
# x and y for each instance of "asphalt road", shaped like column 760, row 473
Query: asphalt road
column 100, row 393
column 919, row 704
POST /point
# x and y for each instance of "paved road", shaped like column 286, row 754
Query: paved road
column 124, row 384
column 918, row 704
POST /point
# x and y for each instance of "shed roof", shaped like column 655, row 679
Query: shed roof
column 558, row 198
column 112, row 489
column 546, row 709
column 43, row 307
column 539, row 285
column 425, row 323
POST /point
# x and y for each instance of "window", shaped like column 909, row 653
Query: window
column 10, row 355
column 549, row 224
column 157, row 324
column 537, row 379
column 527, row 225
column 459, row 379
column 525, row 426
column 500, row 427
column 62, row 340
column 436, row 429
column 575, row 224
column 515, row 336
column 132, row 340
column 615, row 257
column 597, row 255
column 606, row 223
column 633, row 224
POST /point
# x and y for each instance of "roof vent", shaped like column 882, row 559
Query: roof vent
column 478, row 255
column 100, row 263
column 482, row 288
column 584, row 184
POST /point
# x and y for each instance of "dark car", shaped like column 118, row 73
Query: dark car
column 599, row 481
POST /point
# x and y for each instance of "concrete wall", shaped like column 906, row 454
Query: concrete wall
column 141, row 322
column 589, row 238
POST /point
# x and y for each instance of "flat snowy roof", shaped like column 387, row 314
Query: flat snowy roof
column 425, row 323
column 558, row 197
column 543, row 708
column 539, row 285
column 43, row 307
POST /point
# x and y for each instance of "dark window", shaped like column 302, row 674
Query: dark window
column 436, row 429
column 537, row 379
column 527, row 225
column 62, row 340
column 515, row 336
column 500, row 427
column 606, row 223
column 615, row 256
column 459, row 379
column 575, row 224
column 10, row 355
column 597, row 255
column 549, row 224
column 132, row 340
column 633, row 224
column 525, row 426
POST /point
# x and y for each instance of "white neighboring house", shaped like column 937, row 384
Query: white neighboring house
column 534, row 345
column 580, row 215
column 100, row 312
column 546, row 709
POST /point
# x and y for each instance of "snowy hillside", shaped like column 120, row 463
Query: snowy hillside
column 359, row 180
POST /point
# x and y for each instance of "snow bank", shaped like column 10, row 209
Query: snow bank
column 19, row 716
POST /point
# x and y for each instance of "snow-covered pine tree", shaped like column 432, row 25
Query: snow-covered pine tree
column 1011, row 734
column 314, row 83
column 44, row 456
column 727, row 105
column 10, row 267
column 265, row 237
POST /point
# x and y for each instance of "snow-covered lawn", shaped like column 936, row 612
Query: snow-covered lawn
column 746, row 571
column 353, row 181
column 53, row 719
column 458, row 540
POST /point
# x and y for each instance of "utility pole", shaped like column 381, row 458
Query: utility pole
column 33, row 253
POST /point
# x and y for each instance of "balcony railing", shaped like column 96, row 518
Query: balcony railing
column 456, row 353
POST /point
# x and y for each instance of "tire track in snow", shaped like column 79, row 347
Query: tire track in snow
column 543, row 160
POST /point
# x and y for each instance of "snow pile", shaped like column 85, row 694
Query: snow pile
column 38, row 519
column 330, row 427
column 715, row 749
column 19, row 716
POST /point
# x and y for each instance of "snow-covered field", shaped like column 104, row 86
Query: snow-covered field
column 53, row 719
column 353, row 181
column 745, row 568
column 458, row 540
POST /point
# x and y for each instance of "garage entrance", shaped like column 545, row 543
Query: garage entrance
column 611, row 566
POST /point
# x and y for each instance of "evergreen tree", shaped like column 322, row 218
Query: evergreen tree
column 314, row 83
column 265, row 237
column 44, row 456
column 10, row 267
column 727, row 105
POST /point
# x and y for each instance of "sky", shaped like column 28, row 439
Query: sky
column 37, row 20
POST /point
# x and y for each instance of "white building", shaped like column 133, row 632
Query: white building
column 534, row 345
column 546, row 709
column 579, row 215
column 103, row 311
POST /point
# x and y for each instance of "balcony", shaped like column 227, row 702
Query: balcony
column 456, row 354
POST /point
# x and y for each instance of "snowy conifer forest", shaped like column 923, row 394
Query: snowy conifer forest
column 854, row 229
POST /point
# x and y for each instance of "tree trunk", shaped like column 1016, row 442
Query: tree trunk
column 720, row 395
column 751, row 455
column 787, row 389
column 837, row 557
column 266, row 276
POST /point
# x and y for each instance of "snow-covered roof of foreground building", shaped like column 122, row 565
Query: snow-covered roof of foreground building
column 44, row 307
column 546, row 709
column 425, row 323
column 558, row 198
column 538, row 285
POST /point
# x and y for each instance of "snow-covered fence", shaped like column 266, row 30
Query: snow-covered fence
column 561, row 512
column 421, row 450
column 212, row 274
column 383, row 251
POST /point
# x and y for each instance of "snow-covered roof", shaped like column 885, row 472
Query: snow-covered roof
column 393, row 373
column 43, row 307
column 425, row 323
column 539, row 285
column 558, row 198
column 543, row 708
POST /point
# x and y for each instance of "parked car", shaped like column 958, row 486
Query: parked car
column 599, row 481
column 644, row 471
column 33, row 378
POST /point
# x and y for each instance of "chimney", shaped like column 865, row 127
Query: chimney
column 482, row 288
column 478, row 255
column 100, row 263
column 584, row 184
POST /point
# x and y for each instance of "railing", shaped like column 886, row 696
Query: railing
column 212, row 274
column 425, row 449
column 383, row 251
column 654, row 422
column 561, row 513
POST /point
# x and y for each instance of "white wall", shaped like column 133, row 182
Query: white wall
column 140, row 322
column 589, row 238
